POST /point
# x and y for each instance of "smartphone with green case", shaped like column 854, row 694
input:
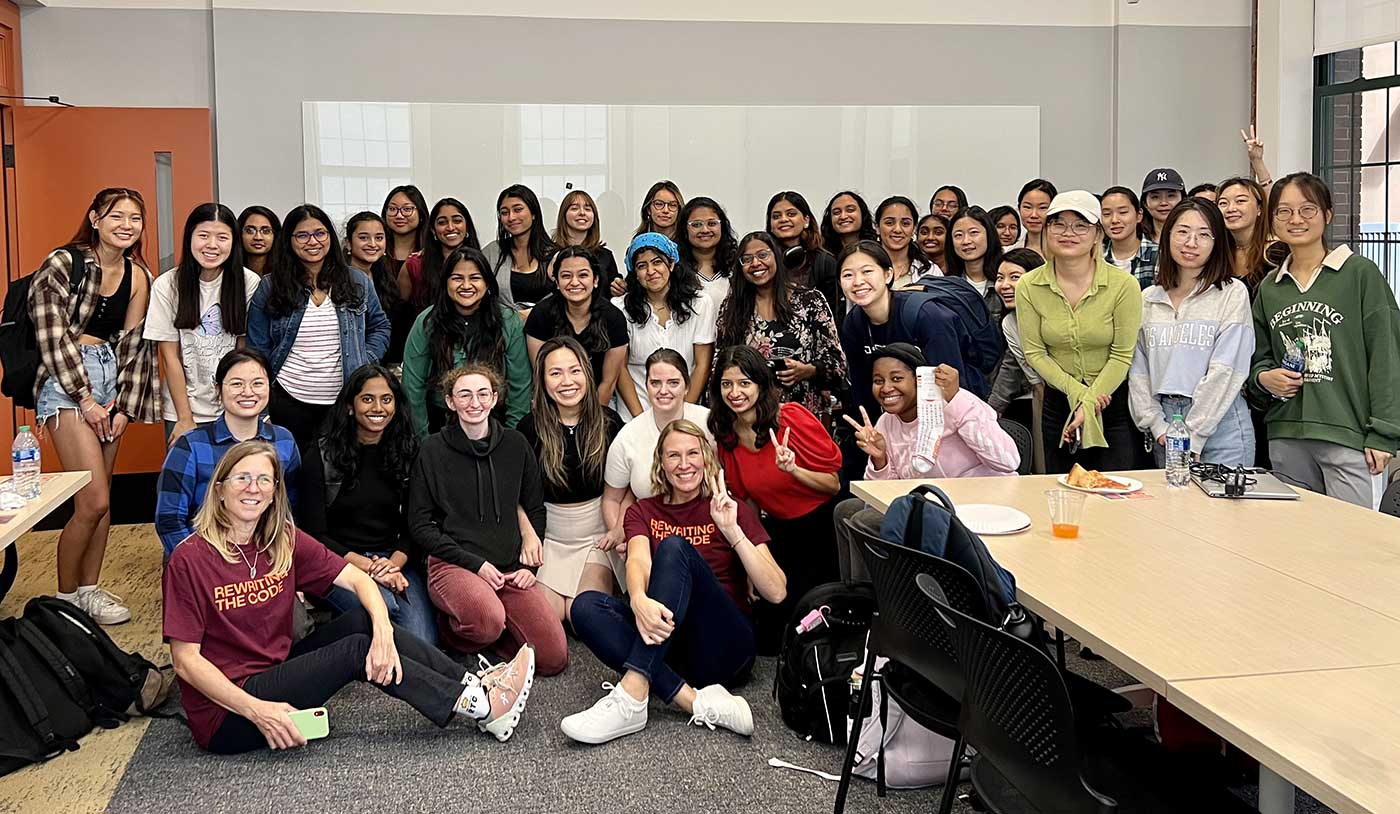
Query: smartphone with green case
column 311, row 723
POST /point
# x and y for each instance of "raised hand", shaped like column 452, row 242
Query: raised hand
column 783, row 456
column 723, row 508
column 1253, row 147
column 946, row 377
column 870, row 440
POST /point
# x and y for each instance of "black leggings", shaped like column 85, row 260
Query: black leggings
column 334, row 655
column 302, row 420
column 1124, row 440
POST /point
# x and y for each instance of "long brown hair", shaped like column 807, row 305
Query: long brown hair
column 273, row 532
column 1220, row 263
column 660, row 484
column 592, row 239
column 1256, row 264
column 592, row 429
column 102, row 205
column 646, row 225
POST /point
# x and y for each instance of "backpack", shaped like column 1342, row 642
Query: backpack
column 814, row 667
column 982, row 340
column 44, row 704
column 19, row 344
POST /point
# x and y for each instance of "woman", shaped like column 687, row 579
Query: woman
column 243, row 383
column 1126, row 244
column 467, row 323
column 661, row 209
column 569, row 433
column 449, row 228
column 354, row 492
column 947, row 201
column 790, row 327
column 316, row 319
column 1197, row 338
column 894, row 220
column 846, row 220
column 1241, row 202
column 403, row 211
column 577, row 225
column 257, row 227
column 707, row 248
column 780, row 457
column 932, row 235
column 1079, row 319
column 976, row 255
column 1032, row 203
column 199, row 312
column 229, row 592
column 1334, row 426
column 665, row 309
column 808, row 263
column 366, row 242
column 581, row 311
column 1015, row 382
column 1008, row 225
column 475, row 507
column 94, row 364
column 1205, row 191
column 693, row 552
column 1162, row 190
column 522, row 273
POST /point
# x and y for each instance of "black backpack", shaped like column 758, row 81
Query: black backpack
column 814, row 668
column 19, row 345
column 44, row 704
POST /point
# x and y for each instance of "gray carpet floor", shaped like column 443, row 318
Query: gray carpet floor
column 382, row 756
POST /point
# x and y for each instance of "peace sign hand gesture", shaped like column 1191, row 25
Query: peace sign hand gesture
column 723, row 509
column 783, row 456
column 1253, row 147
column 870, row 440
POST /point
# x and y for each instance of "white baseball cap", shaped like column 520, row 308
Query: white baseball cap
column 1078, row 201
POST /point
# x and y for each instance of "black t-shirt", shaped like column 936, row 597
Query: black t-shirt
column 366, row 515
column 579, row 487
column 549, row 319
column 529, row 289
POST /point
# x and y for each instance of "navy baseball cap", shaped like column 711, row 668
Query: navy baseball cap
column 1164, row 178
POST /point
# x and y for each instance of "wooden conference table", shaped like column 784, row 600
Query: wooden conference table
column 56, row 487
column 1275, row 623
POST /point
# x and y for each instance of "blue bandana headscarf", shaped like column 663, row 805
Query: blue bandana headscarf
column 653, row 240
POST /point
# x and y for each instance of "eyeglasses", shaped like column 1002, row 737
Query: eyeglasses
column 254, row 231
column 304, row 238
column 1184, row 236
column 665, row 206
column 1285, row 213
column 405, row 210
column 479, row 396
column 704, row 224
column 1079, row 228
column 243, row 480
column 762, row 257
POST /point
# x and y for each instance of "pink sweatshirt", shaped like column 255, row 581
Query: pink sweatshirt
column 973, row 445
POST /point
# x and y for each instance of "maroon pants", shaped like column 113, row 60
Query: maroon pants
column 477, row 616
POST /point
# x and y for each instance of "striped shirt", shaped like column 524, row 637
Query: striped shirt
column 313, row 371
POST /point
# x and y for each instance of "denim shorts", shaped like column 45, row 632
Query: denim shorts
column 1232, row 443
column 100, row 363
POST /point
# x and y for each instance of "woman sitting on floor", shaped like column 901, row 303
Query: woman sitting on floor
column 693, row 550
column 230, row 635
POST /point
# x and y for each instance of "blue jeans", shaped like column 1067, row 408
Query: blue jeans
column 100, row 364
column 1232, row 443
column 411, row 610
column 713, row 642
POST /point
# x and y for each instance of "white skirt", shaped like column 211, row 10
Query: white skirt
column 570, row 543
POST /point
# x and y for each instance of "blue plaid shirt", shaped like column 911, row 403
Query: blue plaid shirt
column 1143, row 265
column 184, row 478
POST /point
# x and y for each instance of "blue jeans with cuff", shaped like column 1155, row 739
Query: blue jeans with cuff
column 411, row 610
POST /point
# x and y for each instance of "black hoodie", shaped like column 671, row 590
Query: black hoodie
column 463, row 494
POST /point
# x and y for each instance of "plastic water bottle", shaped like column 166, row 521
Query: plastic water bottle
column 1293, row 357
column 1178, row 453
column 24, row 457
column 930, row 422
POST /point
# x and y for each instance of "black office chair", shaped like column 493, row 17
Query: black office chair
column 923, row 675
column 1390, row 501
column 1025, row 443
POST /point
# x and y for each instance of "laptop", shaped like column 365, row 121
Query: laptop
column 1262, row 486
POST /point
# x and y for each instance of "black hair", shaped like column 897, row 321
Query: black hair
column 257, row 209
column 737, row 314
column 538, row 242
column 871, row 248
column 681, row 291
column 386, row 283
column 1134, row 201
column 755, row 368
column 1219, row 267
column 916, row 252
column 811, row 238
column 482, row 336
column 1037, row 185
column 830, row 239
column 1025, row 258
column 957, row 267
column 999, row 212
column 1202, row 187
column 957, row 193
column 433, row 250
column 415, row 197
column 233, row 290
column 726, row 251
column 1314, row 190
column 341, row 440
column 289, row 275
column 555, row 309
column 238, row 356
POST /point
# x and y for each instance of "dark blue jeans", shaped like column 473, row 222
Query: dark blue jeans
column 713, row 642
column 412, row 610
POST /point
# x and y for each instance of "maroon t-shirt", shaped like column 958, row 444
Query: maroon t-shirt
column 243, row 626
column 654, row 519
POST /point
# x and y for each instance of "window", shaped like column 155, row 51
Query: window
column 1357, row 150
column 564, row 144
column 362, row 151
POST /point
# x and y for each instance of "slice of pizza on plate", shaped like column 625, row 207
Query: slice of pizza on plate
column 1092, row 479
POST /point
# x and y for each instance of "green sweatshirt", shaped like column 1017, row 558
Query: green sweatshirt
column 418, row 368
column 1350, row 327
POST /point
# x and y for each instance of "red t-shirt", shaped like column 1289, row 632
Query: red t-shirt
column 656, row 520
column 755, row 476
column 242, row 626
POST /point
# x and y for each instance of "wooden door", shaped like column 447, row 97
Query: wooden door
column 62, row 157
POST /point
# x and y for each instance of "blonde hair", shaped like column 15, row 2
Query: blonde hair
column 273, row 532
column 659, row 483
column 592, row 238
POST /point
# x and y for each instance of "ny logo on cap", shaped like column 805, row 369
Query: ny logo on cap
column 1161, row 176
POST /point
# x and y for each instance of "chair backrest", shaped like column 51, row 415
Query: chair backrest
column 1016, row 713
column 1390, row 501
column 1025, row 443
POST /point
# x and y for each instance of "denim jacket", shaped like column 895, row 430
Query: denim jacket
column 364, row 330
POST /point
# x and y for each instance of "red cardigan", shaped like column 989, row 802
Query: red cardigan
column 754, row 475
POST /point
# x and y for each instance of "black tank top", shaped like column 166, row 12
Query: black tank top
column 109, row 315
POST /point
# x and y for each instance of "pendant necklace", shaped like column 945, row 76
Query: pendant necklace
column 252, row 566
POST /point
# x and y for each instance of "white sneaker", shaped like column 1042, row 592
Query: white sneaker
column 103, row 607
column 616, row 714
column 716, row 706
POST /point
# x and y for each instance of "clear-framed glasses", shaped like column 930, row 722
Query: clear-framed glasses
column 1185, row 236
column 474, row 396
column 761, row 256
column 712, row 223
column 1307, row 212
column 303, row 238
column 1078, row 228
column 406, row 210
column 665, row 206
column 257, row 231
column 243, row 480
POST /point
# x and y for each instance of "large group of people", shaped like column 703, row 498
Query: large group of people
column 478, row 448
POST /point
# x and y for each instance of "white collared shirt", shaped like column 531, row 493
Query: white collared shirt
column 1333, row 260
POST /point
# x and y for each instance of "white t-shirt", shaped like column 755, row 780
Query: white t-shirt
column 631, row 453
column 717, row 290
column 682, row 337
column 314, row 369
column 200, row 348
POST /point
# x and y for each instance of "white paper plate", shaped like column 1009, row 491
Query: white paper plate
column 990, row 519
column 1133, row 485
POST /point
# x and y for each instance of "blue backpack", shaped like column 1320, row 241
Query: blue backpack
column 981, row 339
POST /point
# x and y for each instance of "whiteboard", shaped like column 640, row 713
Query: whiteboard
column 738, row 155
